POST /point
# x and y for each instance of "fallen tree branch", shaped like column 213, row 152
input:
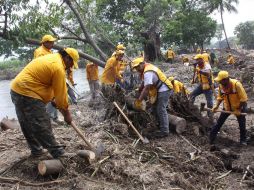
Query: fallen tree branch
column 13, row 165
column 26, row 183
column 190, row 143
column 224, row 175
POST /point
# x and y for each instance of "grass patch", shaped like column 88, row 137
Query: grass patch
column 13, row 63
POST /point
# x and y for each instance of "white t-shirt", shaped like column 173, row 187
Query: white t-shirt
column 207, row 68
column 151, row 78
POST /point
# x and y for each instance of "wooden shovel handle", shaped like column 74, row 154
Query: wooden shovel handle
column 129, row 122
column 222, row 111
column 81, row 135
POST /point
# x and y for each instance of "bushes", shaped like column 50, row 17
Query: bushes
column 12, row 63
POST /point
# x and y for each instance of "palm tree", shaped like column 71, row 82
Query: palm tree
column 222, row 6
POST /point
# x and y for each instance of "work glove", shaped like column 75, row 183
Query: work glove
column 139, row 105
column 237, row 113
column 215, row 108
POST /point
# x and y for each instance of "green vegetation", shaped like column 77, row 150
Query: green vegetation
column 95, row 27
column 13, row 63
column 245, row 34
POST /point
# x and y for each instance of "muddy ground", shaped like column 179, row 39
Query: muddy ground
column 174, row 162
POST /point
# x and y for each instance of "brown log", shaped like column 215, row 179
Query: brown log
column 47, row 167
column 9, row 124
column 88, row 154
column 178, row 123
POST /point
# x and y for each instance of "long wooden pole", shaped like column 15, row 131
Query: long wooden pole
column 81, row 135
column 130, row 123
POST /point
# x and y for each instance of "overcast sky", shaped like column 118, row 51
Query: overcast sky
column 231, row 20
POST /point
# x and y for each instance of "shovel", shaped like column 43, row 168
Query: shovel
column 98, row 151
column 143, row 139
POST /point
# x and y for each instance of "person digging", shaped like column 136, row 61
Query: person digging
column 41, row 80
column 154, row 82
column 234, row 98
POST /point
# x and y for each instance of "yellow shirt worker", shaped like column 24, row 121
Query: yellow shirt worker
column 234, row 98
column 41, row 80
column 111, row 71
column 170, row 55
column 178, row 87
column 92, row 75
column 206, row 56
column 47, row 43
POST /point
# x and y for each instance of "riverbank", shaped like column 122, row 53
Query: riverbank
column 9, row 73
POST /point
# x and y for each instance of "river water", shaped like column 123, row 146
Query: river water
column 7, row 107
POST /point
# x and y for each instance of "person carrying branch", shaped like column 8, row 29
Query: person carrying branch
column 234, row 98
column 41, row 80
column 203, row 71
column 156, row 85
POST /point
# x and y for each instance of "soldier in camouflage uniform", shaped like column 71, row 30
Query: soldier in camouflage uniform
column 41, row 80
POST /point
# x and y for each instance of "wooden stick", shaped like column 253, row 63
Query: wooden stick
column 224, row 175
column 81, row 135
column 190, row 143
column 245, row 174
column 13, row 180
column 222, row 111
column 129, row 122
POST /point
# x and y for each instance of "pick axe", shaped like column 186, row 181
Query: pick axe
column 143, row 139
column 202, row 108
column 98, row 150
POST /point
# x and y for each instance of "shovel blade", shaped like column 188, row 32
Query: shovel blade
column 145, row 140
column 99, row 150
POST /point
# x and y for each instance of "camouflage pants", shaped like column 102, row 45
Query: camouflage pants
column 35, row 124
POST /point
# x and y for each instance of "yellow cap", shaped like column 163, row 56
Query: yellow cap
column 48, row 38
column 198, row 56
column 120, row 47
column 137, row 61
column 171, row 78
column 74, row 55
column 221, row 75
column 119, row 52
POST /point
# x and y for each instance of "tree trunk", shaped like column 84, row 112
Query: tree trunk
column 87, row 154
column 178, row 123
column 81, row 54
column 47, row 167
column 86, row 33
column 152, row 45
column 222, row 21
column 9, row 124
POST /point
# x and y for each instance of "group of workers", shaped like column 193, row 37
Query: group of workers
column 43, row 81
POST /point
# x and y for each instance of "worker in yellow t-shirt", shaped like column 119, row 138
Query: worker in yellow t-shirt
column 41, row 80
column 47, row 43
column 170, row 55
column 92, row 75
